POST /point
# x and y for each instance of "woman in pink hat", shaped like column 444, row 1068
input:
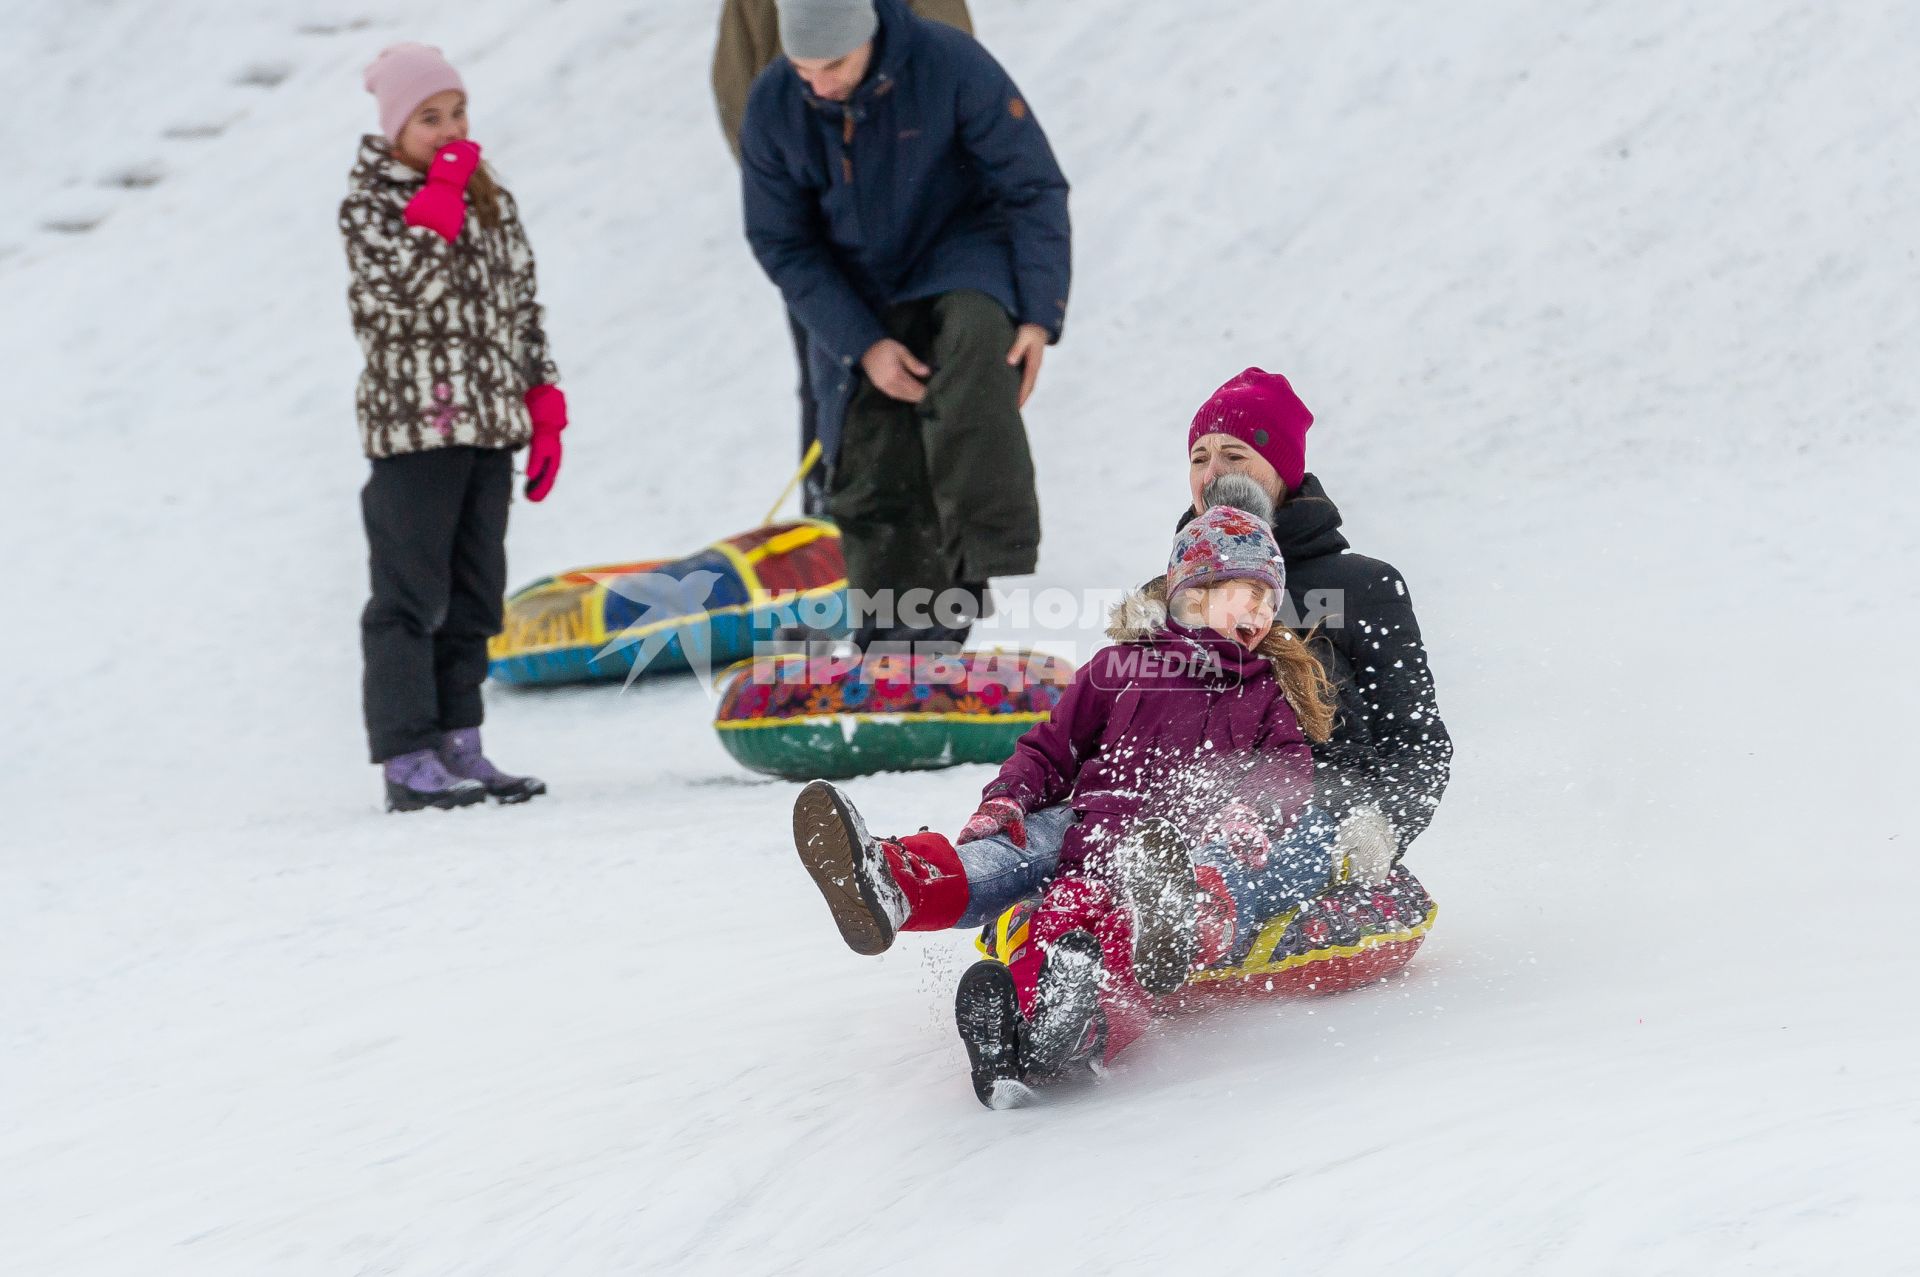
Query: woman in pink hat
column 1319, row 896
column 1384, row 771
column 457, row 378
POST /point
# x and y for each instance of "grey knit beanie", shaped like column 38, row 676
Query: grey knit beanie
column 825, row 28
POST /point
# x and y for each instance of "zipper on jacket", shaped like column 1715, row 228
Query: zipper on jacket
column 846, row 145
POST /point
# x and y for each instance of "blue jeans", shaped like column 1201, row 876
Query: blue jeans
column 1299, row 867
column 1000, row 874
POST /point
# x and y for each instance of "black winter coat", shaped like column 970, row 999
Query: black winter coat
column 1389, row 747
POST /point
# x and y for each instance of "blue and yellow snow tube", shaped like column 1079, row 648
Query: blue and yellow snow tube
column 830, row 717
column 666, row 615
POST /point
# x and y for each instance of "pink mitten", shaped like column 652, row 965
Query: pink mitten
column 441, row 205
column 1238, row 825
column 547, row 408
column 997, row 815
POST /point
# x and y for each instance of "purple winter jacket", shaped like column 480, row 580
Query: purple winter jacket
column 1168, row 722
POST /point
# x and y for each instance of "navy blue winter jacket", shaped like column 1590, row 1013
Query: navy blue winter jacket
column 933, row 177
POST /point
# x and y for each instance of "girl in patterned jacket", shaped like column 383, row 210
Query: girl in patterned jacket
column 457, row 378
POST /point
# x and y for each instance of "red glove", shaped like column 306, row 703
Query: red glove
column 441, row 205
column 997, row 815
column 547, row 407
column 1238, row 825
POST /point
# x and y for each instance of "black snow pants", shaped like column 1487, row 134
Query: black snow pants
column 813, row 489
column 437, row 554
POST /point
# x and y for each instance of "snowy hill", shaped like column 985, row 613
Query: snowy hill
column 1608, row 319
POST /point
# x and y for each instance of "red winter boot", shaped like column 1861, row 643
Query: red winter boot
column 1217, row 919
column 875, row 888
column 931, row 877
column 1124, row 1005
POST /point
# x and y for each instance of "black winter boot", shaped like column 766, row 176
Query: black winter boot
column 1153, row 870
column 1066, row 1027
column 987, row 1011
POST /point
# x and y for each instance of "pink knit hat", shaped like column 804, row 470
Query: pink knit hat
column 1260, row 409
column 404, row 76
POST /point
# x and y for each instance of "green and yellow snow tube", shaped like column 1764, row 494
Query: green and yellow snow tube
column 821, row 717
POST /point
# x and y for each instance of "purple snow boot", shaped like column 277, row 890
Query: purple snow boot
column 418, row 780
column 460, row 752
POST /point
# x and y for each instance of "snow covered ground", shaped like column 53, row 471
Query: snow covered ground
column 1608, row 316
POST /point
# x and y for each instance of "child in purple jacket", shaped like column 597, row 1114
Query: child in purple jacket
column 1189, row 732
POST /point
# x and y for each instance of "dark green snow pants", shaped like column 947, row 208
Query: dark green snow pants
column 941, row 492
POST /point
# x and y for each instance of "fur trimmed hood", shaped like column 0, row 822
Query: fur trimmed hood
column 1141, row 615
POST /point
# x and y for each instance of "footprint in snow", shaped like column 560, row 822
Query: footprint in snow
column 263, row 75
column 135, row 177
column 333, row 28
column 72, row 225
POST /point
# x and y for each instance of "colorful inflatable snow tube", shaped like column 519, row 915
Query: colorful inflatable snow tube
column 706, row 610
column 1347, row 936
column 826, row 717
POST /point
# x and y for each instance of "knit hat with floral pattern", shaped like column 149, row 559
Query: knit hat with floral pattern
column 1225, row 544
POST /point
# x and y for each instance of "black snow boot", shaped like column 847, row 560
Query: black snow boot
column 1066, row 1028
column 1153, row 870
column 849, row 867
column 987, row 1011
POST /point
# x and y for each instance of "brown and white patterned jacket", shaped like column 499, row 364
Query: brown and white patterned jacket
column 451, row 332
